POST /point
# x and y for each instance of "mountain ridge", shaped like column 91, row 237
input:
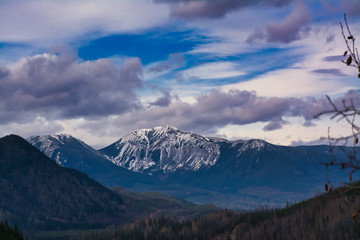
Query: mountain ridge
column 199, row 151
column 232, row 174
column 71, row 152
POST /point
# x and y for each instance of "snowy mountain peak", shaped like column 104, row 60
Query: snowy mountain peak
column 256, row 144
column 166, row 128
column 62, row 137
column 164, row 149
column 52, row 145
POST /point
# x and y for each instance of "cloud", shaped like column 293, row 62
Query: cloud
column 218, row 109
column 174, row 60
column 330, row 38
column 238, row 114
column 212, row 70
column 319, row 141
column 213, row 8
column 273, row 126
column 330, row 71
column 46, row 23
column 335, row 58
column 59, row 86
column 292, row 28
column 164, row 100
column 352, row 7
column 39, row 126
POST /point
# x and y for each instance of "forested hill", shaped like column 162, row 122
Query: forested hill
column 36, row 192
column 328, row 216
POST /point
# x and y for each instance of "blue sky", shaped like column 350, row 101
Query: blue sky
column 233, row 69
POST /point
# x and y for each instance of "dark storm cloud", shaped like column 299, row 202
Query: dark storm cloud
column 213, row 8
column 329, row 71
column 58, row 86
column 292, row 28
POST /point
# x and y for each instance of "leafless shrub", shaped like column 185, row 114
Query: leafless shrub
column 348, row 112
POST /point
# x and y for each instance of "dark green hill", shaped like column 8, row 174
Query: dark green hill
column 327, row 217
column 36, row 193
column 8, row 233
column 156, row 204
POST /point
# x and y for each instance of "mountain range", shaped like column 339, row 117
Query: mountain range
column 38, row 194
column 242, row 174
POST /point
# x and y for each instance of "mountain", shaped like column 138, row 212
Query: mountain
column 71, row 152
column 232, row 174
column 163, row 151
column 36, row 193
column 241, row 174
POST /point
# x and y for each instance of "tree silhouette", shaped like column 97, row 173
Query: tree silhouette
column 348, row 112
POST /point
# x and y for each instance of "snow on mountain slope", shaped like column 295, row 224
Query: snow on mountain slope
column 66, row 150
column 163, row 149
column 51, row 145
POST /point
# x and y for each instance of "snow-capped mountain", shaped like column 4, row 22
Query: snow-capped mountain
column 54, row 146
column 167, row 149
column 232, row 174
column 71, row 152
column 163, row 149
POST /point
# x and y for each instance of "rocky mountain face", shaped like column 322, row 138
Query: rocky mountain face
column 232, row 174
column 163, row 150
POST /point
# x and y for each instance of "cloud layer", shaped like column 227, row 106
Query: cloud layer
column 59, row 86
column 218, row 109
column 213, row 8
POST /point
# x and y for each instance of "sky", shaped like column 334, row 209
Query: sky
column 236, row 69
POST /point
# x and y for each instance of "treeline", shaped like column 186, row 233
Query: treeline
column 9, row 233
column 324, row 217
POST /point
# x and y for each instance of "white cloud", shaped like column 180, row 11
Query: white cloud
column 213, row 70
column 46, row 23
column 39, row 126
column 303, row 78
column 290, row 83
column 293, row 132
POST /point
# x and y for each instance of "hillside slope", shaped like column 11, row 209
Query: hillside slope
column 36, row 193
column 328, row 216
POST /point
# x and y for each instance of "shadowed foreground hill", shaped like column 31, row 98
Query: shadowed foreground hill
column 36, row 193
column 328, row 216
